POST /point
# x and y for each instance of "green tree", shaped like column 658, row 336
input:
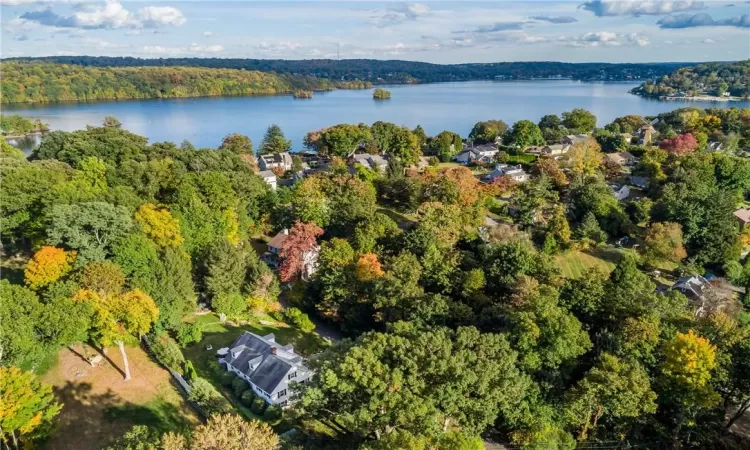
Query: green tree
column 231, row 304
column 274, row 141
column 579, row 121
column 488, row 131
column 90, row 228
column 663, row 242
column 524, row 133
column 611, row 391
column 225, row 269
column 28, row 407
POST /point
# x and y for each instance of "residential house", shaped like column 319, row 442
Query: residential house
column 268, row 367
column 639, row 181
column 621, row 192
column 694, row 286
column 269, row 177
column 621, row 158
column 575, row 138
column 743, row 217
column 515, row 172
column 555, row 149
column 275, row 160
column 484, row 154
column 646, row 134
column 273, row 255
column 369, row 161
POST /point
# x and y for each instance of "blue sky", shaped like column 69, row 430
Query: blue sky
column 440, row 32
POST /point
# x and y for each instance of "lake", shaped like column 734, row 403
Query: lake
column 437, row 107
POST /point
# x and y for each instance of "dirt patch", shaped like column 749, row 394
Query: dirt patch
column 99, row 405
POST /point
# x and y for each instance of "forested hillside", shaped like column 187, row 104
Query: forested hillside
column 44, row 82
column 393, row 71
column 704, row 79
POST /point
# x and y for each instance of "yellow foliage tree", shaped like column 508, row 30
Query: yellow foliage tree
column 25, row 406
column 232, row 432
column 689, row 361
column 120, row 318
column 159, row 224
column 585, row 157
column 48, row 265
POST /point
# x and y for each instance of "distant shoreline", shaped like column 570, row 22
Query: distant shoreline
column 701, row 98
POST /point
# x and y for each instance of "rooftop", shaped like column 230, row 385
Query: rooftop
column 272, row 361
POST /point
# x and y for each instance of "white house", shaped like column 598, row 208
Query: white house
column 621, row 192
column 515, row 172
column 275, row 160
column 269, row 177
column 268, row 367
column 479, row 154
column 575, row 138
column 370, row 161
column 273, row 255
column 555, row 149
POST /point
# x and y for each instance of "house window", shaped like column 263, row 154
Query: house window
column 292, row 376
column 281, row 393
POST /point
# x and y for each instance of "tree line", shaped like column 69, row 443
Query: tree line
column 391, row 71
column 703, row 79
column 31, row 82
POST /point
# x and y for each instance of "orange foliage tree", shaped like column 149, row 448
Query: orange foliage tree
column 368, row 267
column 48, row 265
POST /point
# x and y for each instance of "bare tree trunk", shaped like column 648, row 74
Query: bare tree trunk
column 741, row 409
column 125, row 363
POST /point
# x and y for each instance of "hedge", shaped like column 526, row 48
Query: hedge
column 247, row 398
column 258, row 406
column 239, row 386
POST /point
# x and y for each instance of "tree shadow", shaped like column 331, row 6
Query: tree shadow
column 100, row 350
column 158, row 415
column 611, row 255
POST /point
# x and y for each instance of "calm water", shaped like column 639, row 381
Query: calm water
column 437, row 107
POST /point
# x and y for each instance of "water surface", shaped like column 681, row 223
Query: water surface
column 437, row 107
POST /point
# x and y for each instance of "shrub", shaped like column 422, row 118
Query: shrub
column 273, row 413
column 258, row 406
column 247, row 398
column 273, row 307
column 256, row 304
column 189, row 371
column 227, row 378
column 239, row 386
column 232, row 305
column 299, row 320
column 216, row 368
column 188, row 333
column 166, row 349
column 205, row 395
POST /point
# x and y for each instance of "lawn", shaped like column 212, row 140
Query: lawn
column 99, row 405
column 218, row 335
column 573, row 264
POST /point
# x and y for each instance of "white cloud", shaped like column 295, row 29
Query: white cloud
column 111, row 15
column 708, row 41
column 398, row 14
column 190, row 50
column 637, row 7
column 605, row 39
column 208, row 34
column 29, row 2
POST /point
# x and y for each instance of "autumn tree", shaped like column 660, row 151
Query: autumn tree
column 689, row 360
column 297, row 249
column 48, row 265
column 232, row 432
column 663, row 242
column 27, row 407
column 680, row 145
column 121, row 318
column 585, row 157
column 159, row 224
column 368, row 268
column 274, row 141
column 102, row 277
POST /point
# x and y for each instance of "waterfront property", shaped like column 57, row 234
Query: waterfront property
column 281, row 160
column 481, row 154
column 268, row 367
column 515, row 172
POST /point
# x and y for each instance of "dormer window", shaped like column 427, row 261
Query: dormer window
column 292, row 376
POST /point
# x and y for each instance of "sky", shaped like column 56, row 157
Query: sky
column 440, row 32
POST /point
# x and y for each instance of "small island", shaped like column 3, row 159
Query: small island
column 381, row 94
column 16, row 126
column 303, row 94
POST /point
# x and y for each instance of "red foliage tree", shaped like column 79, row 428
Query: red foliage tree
column 680, row 145
column 302, row 239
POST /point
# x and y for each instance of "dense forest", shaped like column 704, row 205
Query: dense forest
column 393, row 71
column 456, row 327
column 714, row 79
column 44, row 82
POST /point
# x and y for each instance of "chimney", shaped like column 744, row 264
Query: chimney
column 273, row 350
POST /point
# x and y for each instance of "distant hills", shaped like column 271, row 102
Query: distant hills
column 393, row 71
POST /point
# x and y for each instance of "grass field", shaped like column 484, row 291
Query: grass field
column 573, row 264
column 99, row 405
